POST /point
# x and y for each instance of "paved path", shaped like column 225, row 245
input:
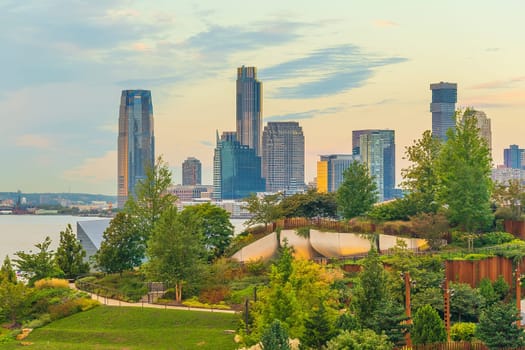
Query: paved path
column 114, row 302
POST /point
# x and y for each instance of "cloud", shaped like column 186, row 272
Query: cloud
column 206, row 143
column 499, row 84
column 304, row 115
column 502, row 99
column 378, row 103
column 385, row 23
column 95, row 170
column 33, row 141
column 326, row 71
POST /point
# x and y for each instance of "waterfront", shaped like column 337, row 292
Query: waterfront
column 22, row 232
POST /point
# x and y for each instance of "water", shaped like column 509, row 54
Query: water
column 22, row 232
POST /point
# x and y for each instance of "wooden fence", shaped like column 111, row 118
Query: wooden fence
column 454, row 345
column 517, row 228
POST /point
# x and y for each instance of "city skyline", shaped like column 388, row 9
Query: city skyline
column 333, row 67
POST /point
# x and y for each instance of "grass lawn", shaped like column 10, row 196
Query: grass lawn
column 127, row 328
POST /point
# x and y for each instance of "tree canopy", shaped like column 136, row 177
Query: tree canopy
column 38, row 265
column 264, row 209
column 358, row 192
column 70, row 254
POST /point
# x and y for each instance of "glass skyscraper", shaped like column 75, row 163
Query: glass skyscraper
column 443, row 107
column 191, row 172
column 283, row 157
column 377, row 149
column 512, row 157
column 330, row 169
column 136, row 141
column 249, row 108
column 236, row 169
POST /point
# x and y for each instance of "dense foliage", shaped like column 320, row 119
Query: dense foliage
column 358, row 192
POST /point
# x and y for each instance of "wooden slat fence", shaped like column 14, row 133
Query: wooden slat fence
column 453, row 345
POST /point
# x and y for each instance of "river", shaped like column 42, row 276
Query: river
column 22, row 232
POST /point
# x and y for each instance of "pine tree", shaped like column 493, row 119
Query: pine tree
column 70, row 254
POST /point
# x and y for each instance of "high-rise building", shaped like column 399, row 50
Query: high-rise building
column 136, row 141
column 330, row 169
column 249, row 108
column 283, row 157
column 191, row 172
column 236, row 169
column 377, row 149
column 443, row 106
column 512, row 157
column 484, row 126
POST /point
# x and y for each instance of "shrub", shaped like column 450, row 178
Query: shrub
column 214, row 295
column 256, row 267
column 39, row 322
column 51, row 283
column 463, row 331
column 493, row 238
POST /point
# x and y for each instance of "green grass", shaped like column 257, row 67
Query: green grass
column 130, row 328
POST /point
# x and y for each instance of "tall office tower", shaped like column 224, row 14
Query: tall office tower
column 191, row 172
column 484, row 126
column 236, row 169
column 330, row 169
column 249, row 108
column 378, row 151
column 443, row 107
column 512, row 157
column 136, row 141
column 283, row 157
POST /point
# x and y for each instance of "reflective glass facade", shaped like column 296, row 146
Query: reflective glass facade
column 330, row 170
column 136, row 141
column 191, row 172
column 443, row 106
column 249, row 108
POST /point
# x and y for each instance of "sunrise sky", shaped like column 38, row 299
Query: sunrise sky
column 333, row 66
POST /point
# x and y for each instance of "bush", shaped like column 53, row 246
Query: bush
column 51, row 283
column 493, row 238
column 39, row 322
column 463, row 331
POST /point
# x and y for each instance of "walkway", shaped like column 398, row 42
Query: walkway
column 115, row 302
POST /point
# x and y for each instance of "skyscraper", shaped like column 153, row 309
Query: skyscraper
column 484, row 126
column 191, row 172
column 512, row 157
column 136, row 141
column 236, row 169
column 443, row 106
column 283, row 156
column 249, row 108
column 330, row 169
column 377, row 149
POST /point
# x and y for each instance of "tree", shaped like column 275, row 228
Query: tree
column 214, row 225
column 512, row 196
column 463, row 331
column 501, row 287
column 318, row 328
column 430, row 226
column 486, row 290
column 358, row 192
column 464, row 169
column 122, row 247
column 42, row 264
column 14, row 300
column 309, row 205
column 465, row 303
column 264, row 209
column 175, row 251
column 427, row 327
column 275, row 337
column 151, row 197
column 497, row 327
column 70, row 254
column 7, row 272
column 365, row 339
column 421, row 177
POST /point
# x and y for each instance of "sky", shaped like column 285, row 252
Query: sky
column 334, row 66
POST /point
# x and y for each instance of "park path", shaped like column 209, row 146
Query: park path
column 115, row 302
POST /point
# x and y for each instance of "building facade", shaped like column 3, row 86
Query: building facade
column 283, row 157
column 236, row 169
column 249, row 108
column 330, row 169
column 443, row 107
column 191, row 172
column 484, row 126
column 377, row 149
column 136, row 141
column 512, row 157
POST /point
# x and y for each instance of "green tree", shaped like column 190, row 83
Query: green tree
column 309, row 205
column 421, row 179
column 122, row 247
column 365, row 339
column 464, row 169
column 510, row 195
column 14, row 300
column 318, row 328
column 465, row 303
column 70, row 254
column 358, row 192
column 427, row 327
column 264, row 209
column 497, row 327
column 214, row 227
column 7, row 272
column 275, row 337
column 431, row 226
column 151, row 197
column 175, row 251
column 501, row 287
column 463, row 331
column 486, row 290
column 35, row 266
